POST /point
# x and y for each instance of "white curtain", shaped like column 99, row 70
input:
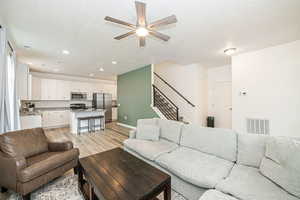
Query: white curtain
column 15, row 100
column 9, row 106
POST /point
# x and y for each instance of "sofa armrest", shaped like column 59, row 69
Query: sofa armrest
column 60, row 146
column 132, row 134
column 9, row 169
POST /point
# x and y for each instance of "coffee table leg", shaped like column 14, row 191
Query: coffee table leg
column 167, row 191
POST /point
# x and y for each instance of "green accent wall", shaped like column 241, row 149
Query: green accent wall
column 134, row 96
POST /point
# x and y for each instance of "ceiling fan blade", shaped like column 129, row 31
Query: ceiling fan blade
column 165, row 21
column 117, row 21
column 159, row 35
column 142, row 41
column 124, row 35
column 141, row 13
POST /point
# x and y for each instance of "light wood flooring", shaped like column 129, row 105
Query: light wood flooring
column 89, row 143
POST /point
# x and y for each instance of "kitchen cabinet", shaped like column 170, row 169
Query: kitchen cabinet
column 31, row 121
column 63, row 90
column 36, row 88
column 54, row 89
column 114, row 115
column 22, row 81
column 55, row 118
column 49, row 89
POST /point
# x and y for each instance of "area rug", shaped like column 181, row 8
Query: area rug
column 66, row 188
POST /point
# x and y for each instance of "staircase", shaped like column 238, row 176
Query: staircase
column 164, row 104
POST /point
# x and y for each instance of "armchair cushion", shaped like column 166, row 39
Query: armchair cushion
column 24, row 143
column 44, row 163
column 60, row 146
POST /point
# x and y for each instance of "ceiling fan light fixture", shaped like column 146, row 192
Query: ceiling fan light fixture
column 230, row 51
column 142, row 32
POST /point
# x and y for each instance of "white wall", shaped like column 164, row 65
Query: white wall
column 189, row 80
column 271, row 78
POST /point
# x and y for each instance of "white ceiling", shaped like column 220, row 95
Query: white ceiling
column 204, row 29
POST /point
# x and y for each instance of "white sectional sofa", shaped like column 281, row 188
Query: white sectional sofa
column 219, row 164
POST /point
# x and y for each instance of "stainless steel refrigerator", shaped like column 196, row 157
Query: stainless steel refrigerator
column 103, row 101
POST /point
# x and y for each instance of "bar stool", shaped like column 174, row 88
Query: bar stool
column 93, row 122
column 79, row 127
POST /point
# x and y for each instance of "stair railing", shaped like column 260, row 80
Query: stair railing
column 158, row 95
column 176, row 91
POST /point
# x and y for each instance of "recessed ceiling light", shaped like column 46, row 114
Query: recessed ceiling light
column 114, row 62
column 230, row 51
column 30, row 63
column 66, row 52
column 142, row 32
column 101, row 69
column 91, row 74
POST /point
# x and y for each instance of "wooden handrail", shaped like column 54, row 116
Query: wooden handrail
column 173, row 89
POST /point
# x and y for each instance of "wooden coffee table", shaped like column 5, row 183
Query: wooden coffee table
column 118, row 175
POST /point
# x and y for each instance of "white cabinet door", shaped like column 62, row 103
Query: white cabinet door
column 31, row 121
column 114, row 114
column 49, row 89
column 55, row 118
column 36, row 88
column 63, row 90
column 22, row 80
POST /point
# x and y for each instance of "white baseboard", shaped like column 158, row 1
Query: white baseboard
column 126, row 125
column 158, row 112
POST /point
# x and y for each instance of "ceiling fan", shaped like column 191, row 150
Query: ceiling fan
column 142, row 28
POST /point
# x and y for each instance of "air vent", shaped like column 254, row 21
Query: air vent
column 258, row 126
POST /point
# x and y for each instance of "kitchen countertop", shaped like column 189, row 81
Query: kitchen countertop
column 22, row 114
column 88, row 110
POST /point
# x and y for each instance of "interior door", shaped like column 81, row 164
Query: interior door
column 223, row 105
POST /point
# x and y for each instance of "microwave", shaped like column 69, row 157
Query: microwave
column 78, row 96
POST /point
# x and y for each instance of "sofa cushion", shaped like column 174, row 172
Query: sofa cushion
column 248, row 183
column 218, row 142
column 198, row 168
column 282, row 164
column 251, row 149
column 170, row 130
column 147, row 132
column 24, row 143
column 43, row 164
column 150, row 121
column 150, row 149
column 216, row 195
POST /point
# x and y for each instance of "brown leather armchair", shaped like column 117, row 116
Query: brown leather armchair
column 28, row 160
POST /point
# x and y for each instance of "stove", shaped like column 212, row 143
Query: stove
column 77, row 106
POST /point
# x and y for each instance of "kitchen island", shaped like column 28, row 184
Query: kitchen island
column 81, row 113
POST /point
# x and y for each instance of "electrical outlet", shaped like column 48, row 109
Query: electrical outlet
column 125, row 117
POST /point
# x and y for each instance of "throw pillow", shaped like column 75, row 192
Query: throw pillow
column 147, row 132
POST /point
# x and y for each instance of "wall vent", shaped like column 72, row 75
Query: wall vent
column 258, row 126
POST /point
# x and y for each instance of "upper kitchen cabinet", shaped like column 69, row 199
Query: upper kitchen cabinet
column 48, row 87
column 36, row 88
column 23, row 81
column 63, row 91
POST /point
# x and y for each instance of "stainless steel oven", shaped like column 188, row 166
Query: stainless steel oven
column 78, row 96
